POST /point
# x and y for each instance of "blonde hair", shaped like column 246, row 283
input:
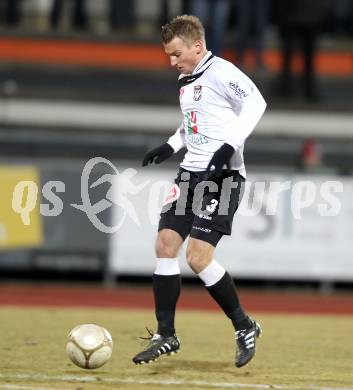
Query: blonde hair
column 187, row 27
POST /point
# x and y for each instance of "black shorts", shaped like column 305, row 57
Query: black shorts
column 202, row 205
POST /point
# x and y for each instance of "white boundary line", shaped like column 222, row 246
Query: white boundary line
column 161, row 382
column 24, row 387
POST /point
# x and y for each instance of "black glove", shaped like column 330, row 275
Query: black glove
column 221, row 157
column 158, row 154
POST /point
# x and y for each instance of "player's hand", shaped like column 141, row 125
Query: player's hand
column 221, row 157
column 158, row 154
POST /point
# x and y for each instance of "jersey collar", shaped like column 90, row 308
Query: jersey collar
column 198, row 71
column 203, row 62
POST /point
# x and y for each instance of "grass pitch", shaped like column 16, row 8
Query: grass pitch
column 295, row 352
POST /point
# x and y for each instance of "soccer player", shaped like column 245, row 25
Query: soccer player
column 221, row 106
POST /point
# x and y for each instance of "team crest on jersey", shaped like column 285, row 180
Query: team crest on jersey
column 197, row 92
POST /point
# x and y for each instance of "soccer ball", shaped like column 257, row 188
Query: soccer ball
column 89, row 346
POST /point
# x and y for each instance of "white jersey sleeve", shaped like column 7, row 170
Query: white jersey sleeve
column 177, row 141
column 246, row 101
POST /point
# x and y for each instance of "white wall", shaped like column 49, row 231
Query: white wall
column 291, row 244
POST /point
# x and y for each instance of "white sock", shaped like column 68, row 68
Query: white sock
column 212, row 273
column 167, row 266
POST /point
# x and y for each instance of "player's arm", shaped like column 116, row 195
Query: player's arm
column 166, row 150
column 248, row 105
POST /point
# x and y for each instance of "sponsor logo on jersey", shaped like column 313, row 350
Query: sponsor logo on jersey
column 197, row 92
column 238, row 90
column 197, row 139
column 192, row 129
column 191, row 122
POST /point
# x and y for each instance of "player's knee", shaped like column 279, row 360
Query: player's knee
column 166, row 248
column 195, row 259
column 192, row 259
column 198, row 255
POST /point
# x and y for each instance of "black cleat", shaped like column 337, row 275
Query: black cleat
column 246, row 344
column 157, row 347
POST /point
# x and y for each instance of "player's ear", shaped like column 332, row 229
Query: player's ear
column 198, row 44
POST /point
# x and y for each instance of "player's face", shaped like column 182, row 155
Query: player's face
column 183, row 56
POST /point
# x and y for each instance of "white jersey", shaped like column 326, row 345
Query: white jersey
column 220, row 104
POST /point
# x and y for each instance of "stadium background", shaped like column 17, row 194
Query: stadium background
column 104, row 89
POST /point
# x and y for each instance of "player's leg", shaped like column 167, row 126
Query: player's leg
column 167, row 280
column 172, row 231
column 174, row 226
column 217, row 280
column 208, row 227
column 220, row 285
column 166, row 289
